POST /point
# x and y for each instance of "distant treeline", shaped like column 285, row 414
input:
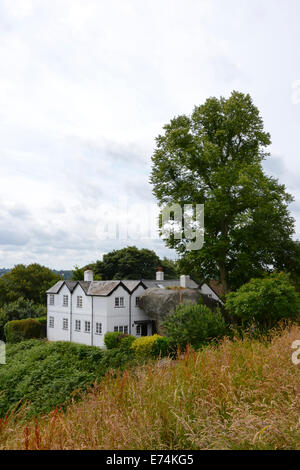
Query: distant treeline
column 65, row 274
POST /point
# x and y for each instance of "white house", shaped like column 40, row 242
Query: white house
column 83, row 311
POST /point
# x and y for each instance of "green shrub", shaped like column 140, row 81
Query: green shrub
column 264, row 301
column 126, row 341
column 163, row 346
column 18, row 310
column 194, row 324
column 20, row 330
column 111, row 339
column 51, row 374
column 142, row 347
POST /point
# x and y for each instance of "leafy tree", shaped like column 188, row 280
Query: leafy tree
column 18, row 310
column 264, row 301
column 194, row 324
column 213, row 157
column 30, row 282
column 133, row 263
column 78, row 273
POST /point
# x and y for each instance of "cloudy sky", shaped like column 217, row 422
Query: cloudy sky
column 86, row 86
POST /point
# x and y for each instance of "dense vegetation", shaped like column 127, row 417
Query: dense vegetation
column 18, row 310
column 50, row 374
column 129, row 263
column 214, row 157
column 243, row 394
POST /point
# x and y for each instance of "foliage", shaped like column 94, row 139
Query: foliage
column 240, row 395
column 30, row 282
column 264, row 301
column 111, row 339
column 142, row 346
column 194, row 324
column 20, row 330
column 125, row 341
column 18, row 310
column 78, row 273
column 164, row 346
column 214, row 157
column 133, row 263
column 51, row 374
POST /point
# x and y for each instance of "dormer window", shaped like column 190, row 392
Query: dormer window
column 65, row 300
column 51, row 299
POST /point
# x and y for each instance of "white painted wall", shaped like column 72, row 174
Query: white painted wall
column 59, row 312
column 205, row 289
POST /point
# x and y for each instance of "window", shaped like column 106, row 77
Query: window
column 119, row 301
column 121, row 329
column 51, row 322
column 79, row 301
column 87, row 326
column 51, row 299
column 209, row 295
column 98, row 328
column 65, row 324
column 77, row 325
column 138, row 329
column 65, row 300
column 137, row 301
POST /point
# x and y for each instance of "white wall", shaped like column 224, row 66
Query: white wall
column 205, row 289
column 59, row 312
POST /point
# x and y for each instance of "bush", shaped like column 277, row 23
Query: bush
column 194, row 324
column 126, row 341
column 142, row 347
column 20, row 330
column 163, row 346
column 264, row 301
column 18, row 310
column 111, row 339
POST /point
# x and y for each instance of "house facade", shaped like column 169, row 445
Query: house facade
column 83, row 311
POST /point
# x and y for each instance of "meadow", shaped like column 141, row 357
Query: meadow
column 239, row 394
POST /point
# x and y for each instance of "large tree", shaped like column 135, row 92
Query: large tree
column 133, row 263
column 214, row 157
column 30, row 282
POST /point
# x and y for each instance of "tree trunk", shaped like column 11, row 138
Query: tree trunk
column 224, row 278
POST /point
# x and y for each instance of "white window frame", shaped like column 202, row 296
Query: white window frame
column 98, row 328
column 138, row 330
column 65, row 324
column 51, row 299
column 65, row 300
column 126, row 330
column 77, row 325
column 116, row 329
column 79, row 301
column 51, row 322
column 137, row 301
column 119, row 302
column 87, row 326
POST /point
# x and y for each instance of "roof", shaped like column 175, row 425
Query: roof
column 105, row 288
column 217, row 287
column 167, row 283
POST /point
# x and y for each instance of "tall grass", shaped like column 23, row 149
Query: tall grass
column 242, row 394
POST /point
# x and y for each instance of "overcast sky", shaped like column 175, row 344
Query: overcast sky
column 86, row 86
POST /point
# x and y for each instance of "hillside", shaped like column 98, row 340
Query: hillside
column 239, row 395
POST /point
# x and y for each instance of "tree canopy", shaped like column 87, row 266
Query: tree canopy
column 133, row 263
column 30, row 282
column 214, row 157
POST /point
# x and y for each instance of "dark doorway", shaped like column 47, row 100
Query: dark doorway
column 144, row 330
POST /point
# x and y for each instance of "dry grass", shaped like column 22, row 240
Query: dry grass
column 239, row 395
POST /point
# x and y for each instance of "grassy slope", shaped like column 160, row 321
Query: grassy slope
column 240, row 395
column 49, row 374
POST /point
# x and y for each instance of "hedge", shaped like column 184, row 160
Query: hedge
column 20, row 330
